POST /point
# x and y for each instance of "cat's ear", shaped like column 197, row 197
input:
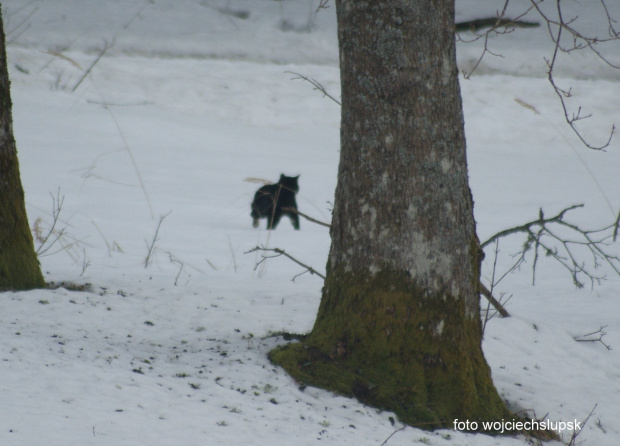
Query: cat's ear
column 282, row 177
column 297, row 177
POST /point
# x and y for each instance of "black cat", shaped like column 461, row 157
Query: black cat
column 271, row 201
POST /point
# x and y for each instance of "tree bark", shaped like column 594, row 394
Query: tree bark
column 19, row 266
column 399, row 322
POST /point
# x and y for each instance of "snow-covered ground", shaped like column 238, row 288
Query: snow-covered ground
column 191, row 99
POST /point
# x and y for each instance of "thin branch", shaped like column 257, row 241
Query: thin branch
column 323, row 4
column 117, row 104
column 54, row 240
column 181, row 265
column 317, row 85
column 613, row 33
column 129, row 151
column 295, row 211
column 85, row 262
column 486, row 314
column 152, row 245
column 106, row 46
column 57, row 203
column 58, row 54
column 525, row 227
column 580, row 41
column 232, row 253
column 281, row 252
column 496, row 304
column 497, row 26
column 573, row 438
column 488, row 294
column 560, row 30
column 392, row 434
column 565, row 248
column 494, row 23
column 13, row 33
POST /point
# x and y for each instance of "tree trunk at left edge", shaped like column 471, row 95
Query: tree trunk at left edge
column 19, row 266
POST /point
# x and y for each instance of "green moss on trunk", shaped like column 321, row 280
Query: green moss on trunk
column 386, row 342
column 19, row 266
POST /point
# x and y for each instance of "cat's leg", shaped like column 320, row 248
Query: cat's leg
column 294, row 220
column 275, row 219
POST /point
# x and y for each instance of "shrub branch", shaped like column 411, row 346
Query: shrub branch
column 151, row 247
column 566, row 39
column 546, row 236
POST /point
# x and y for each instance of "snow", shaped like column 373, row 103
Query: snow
column 191, row 99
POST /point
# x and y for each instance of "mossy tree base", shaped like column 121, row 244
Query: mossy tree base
column 402, row 350
column 19, row 266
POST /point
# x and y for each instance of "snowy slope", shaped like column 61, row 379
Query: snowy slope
column 190, row 100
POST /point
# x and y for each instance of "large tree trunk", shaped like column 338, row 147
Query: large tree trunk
column 399, row 323
column 19, row 266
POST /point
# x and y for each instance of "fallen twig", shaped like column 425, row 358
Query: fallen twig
column 598, row 337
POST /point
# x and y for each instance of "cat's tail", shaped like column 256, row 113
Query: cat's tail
column 257, row 180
